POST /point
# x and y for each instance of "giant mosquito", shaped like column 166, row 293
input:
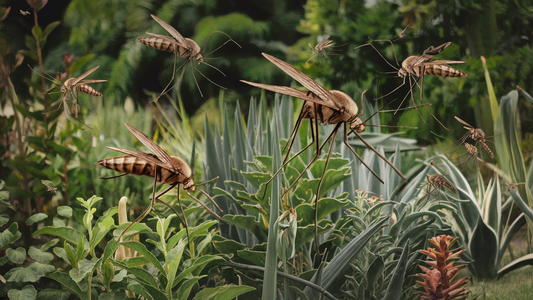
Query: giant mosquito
column 163, row 167
column 327, row 107
column 415, row 67
column 182, row 47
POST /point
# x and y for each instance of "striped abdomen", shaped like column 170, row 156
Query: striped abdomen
column 327, row 115
column 87, row 89
column 438, row 181
column 190, row 50
column 137, row 166
column 486, row 147
column 442, row 71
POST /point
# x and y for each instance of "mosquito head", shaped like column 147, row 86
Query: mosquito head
column 67, row 85
column 402, row 72
column 357, row 125
column 188, row 184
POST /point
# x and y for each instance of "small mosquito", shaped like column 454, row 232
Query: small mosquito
column 435, row 183
column 321, row 49
column 49, row 186
column 415, row 67
column 182, row 47
column 476, row 134
column 162, row 167
column 73, row 85
column 25, row 12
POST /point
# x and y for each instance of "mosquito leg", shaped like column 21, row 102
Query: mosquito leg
column 204, row 206
column 167, row 89
column 294, row 132
column 146, row 211
column 196, row 81
column 317, row 155
column 422, row 100
column 285, row 162
column 320, row 183
column 359, row 157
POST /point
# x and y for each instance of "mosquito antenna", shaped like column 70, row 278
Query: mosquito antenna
column 210, row 80
column 204, row 206
column 210, row 199
column 393, row 49
column 379, row 154
column 206, row 182
column 230, row 40
column 196, row 81
column 215, row 68
column 50, row 77
column 370, row 44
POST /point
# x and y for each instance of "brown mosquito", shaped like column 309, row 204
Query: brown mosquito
column 415, row 67
column 321, row 49
column 435, row 183
column 327, row 107
column 182, row 47
column 162, row 167
column 73, row 85
column 476, row 134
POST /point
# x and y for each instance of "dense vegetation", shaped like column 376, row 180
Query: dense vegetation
column 59, row 221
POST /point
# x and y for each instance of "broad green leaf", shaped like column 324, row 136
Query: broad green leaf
column 249, row 223
column 59, row 222
column 143, row 251
column 172, row 262
column 196, row 265
column 141, row 275
column 306, row 212
column 68, row 234
column 3, row 219
column 31, row 273
column 526, row 260
column 374, row 272
column 306, row 233
column 40, row 256
column 483, row 248
column 36, row 218
column 342, row 259
column 185, row 288
column 65, row 280
column 53, row 294
column 113, row 296
column 85, row 267
column 226, row 292
column 27, row 293
column 64, row 211
column 256, row 178
column 228, row 246
column 16, row 256
column 256, row 257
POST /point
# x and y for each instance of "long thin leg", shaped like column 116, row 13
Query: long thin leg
column 286, row 162
column 317, row 155
column 204, row 206
column 147, row 210
column 293, row 133
column 320, row 183
column 422, row 100
column 359, row 157
column 167, row 89
column 380, row 155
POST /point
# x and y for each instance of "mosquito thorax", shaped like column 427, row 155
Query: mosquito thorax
column 67, row 84
column 195, row 50
column 346, row 103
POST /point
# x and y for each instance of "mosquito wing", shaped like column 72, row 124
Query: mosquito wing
column 158, row 151
column 306, row 81
column 443, row 62
column 92, row 81
column 167, row 38
column 84, row 75
column 173, row 32
column 429, row 53
column 463, row 122
column 432, row 51
column 150, row 158
column 286, row 91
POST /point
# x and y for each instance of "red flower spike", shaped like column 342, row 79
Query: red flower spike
column 436, row 280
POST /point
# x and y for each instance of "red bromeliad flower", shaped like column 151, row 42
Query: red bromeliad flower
column 437, row 279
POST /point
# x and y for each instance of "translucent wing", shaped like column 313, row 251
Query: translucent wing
column 84, row 75
column 306, row 81
column 92, row 81
column 158, row 151
column 443, row 62
column 166, row 38
column 173, row 32
column 463, row 122
column 287, row 91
